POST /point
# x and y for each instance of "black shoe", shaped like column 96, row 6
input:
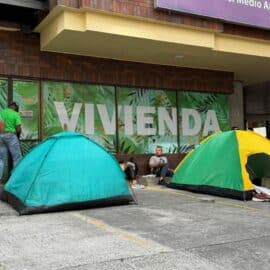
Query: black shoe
column 161, row 182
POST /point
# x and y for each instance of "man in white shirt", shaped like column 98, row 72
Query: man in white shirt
column 159, row 165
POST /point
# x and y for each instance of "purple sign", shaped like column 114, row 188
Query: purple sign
column 249, row 12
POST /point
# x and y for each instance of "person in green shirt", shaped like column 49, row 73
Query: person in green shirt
column 9, row 136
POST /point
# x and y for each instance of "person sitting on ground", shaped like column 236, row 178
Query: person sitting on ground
column 159, row 166
column 130, row 168
column 134, row 167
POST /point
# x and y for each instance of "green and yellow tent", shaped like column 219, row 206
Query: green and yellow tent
column 224, row 165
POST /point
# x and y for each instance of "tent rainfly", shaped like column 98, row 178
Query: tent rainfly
column 224, row 164
column 66, row 171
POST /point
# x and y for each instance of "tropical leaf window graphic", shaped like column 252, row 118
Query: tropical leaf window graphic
column 3, row 105
column 27, row 146
column 3, row 94
column 110, row 145
column 134, row 98
column 70, row 94
column 185, row 148
column 150, row 98
column 202, row 103
column 25, row 93
column 222, row 114
column 131, row 144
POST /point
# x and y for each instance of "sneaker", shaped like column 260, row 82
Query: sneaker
column 161, row 182
column 137, row 186
column 256, row 199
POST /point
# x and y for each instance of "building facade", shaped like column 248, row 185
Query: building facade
column 134, row 74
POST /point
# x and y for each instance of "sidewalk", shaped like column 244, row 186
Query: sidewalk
column 168, row 229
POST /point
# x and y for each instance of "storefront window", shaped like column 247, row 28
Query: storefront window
column 3, row 93
column 25, row 93
column 146, row 118
column 200, row 115
column 89, row 109
column 3, row 105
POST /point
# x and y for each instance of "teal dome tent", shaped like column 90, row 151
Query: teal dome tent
column 66, row 171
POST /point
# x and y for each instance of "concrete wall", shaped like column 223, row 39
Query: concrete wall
column 236, row 106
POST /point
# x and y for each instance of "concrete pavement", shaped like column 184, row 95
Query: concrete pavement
column 168, row 229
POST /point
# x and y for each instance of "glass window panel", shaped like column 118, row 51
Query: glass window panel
column 3, row 105
column 146, row 118
column 200, row 115
column 25, row 93
column 85, row 108
column 26, row 146
column 3, row 93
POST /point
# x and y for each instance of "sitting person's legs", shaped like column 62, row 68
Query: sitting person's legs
column 165, row 172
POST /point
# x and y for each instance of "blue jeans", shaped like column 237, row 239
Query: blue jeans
column 9, row 142
column 162, row 171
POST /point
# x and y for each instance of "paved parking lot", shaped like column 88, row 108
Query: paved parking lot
column 167, row 229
